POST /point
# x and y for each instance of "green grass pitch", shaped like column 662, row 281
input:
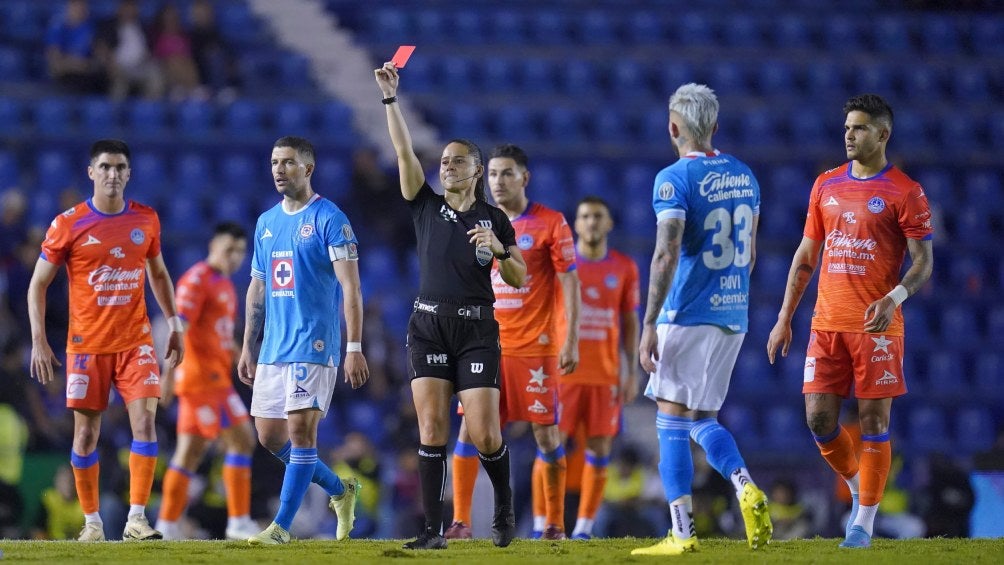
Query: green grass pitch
column 726, row 551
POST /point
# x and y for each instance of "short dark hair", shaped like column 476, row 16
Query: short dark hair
column 303, row 147
column 871, row 104
column 113, row 146
column 510, row 151
column 592, row 199
column 230, row 228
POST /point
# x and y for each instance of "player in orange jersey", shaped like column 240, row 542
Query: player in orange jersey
column 528, row 327
column 592, row 395
column 109, row 245
column 863, row 216
column 208, row 405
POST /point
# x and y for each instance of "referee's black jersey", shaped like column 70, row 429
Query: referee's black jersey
column 451, row 268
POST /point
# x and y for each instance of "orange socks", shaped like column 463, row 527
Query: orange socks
column 838, row 450
column 85, row 474
column 465, row 474
column 594, row 482
column 141, row 468
column 555, row 471
column 539, row 506
column 237, row 482
column 175, row 493
column 876, row 458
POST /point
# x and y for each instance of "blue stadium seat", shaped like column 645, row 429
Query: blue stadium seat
column 645, row 28
column 499, row 74
column 595, row 27
column 538, row 75
column 996, row 127
column 26, row 21
column 753, row 375
column 591, row 178
column 10, row 170
column 909, row 132
column 939, row 35
column 193, row 174
column 784, row 429
column 195, row 119
column 549, row 27
column 514, row 122
column 149, row 179
column 791, row 31
column 99, row 118
column 727, row 78
column 984, row 189
column 946, row 376
column 550, row 185
column 240, row 172
column 758, row 128
column 918, row 326
column 336, row 121
column 741, row 420
column 467, row 27
column 823, row 78
column 42, row 208
column 638, row 179
column 692, row 29
column 628, row 78
column 922, row 83
column 988, row 35
column 654, row 126
column 971, row 221
column 610, row 126
column 809, row 127
column 465, row 121
column 53, row 116
column 380, row 269
column 55, row 171
column 232, row 206
column 841, row 34
column 975, row 429
column 429, row 24
column 987, row 371
column 971, row 83
column 147, row 116
column 771, row 272
column 11, row 115
column 741, row 30
column 892, row 35
column 508, row 27
column 363, row 416
column 564, row 125
column 389, row 24
column 995, row 322
column 578, row 76
column 244, row 118
column 776, row 77
column 12, row 65
column 333, row 177
column 295, row 71
column 185, row 218
column 928, row 429
column 638, row 218
column 237, row 24
column 458, row 72
column 959, row 325
column 958, row 133
column 875, row 77
column 292, row 117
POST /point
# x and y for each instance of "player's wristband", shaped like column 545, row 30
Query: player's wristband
column 354, row 346
column 389, row 100
column 898, row 294
column 175, row 325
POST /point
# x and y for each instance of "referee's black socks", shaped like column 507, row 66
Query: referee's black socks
column 432, row 473
column 497, row 466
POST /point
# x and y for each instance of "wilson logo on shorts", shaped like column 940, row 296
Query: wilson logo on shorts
column 887, row 378
column 809, row 374
column 477, row 368
column 282, row 274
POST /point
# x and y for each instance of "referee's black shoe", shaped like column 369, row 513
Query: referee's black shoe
column 503, row 526
column 427, row 540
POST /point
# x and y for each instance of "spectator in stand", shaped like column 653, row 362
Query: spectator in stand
column 214, row 62
column 172, row 46
column 790, row 518
column 123, row 45
column 69, row 51
column 59, row 516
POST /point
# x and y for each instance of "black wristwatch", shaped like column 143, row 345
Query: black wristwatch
column 504, row 256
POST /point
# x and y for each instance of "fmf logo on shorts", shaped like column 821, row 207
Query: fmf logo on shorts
column 436, row 359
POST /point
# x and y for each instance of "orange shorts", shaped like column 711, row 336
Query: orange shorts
column 596, row 407
column 529, row 390
column 873, row 364
column 206, row 413
column 89, row 377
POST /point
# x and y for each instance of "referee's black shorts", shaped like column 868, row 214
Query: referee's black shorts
column 466, row 352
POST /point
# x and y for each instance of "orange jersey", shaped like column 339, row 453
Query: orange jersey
column 864, row 225
column 105, row 257
column 527, row 316
column 208, row 303
column 609, row 291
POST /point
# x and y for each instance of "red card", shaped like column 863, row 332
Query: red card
column 403, row 54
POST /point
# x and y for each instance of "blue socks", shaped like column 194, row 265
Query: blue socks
column 302, row 461
column 719, row 445
column 322, row 474
column 676, row 465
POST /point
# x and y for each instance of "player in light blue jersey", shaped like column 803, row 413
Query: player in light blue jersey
column 707, row 205
column 305, row 264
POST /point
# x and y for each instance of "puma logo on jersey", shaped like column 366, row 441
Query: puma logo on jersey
column 91, row 240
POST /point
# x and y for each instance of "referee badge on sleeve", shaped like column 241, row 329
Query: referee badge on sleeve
column 484, row 255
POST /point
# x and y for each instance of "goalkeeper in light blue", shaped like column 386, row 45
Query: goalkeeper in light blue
column 305, row 265
column 707, row 206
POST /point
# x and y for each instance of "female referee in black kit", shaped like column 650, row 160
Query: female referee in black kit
column 453, row 338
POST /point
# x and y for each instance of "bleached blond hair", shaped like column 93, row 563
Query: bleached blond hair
column 698, row 106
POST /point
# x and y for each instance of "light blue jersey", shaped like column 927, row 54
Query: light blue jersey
column 293, row 253
column 717, row 196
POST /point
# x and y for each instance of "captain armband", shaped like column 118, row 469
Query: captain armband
column 347, row 252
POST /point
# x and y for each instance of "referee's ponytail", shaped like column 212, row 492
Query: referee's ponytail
column 475, row 152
